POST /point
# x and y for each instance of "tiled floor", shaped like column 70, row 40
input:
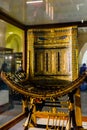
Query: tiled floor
column 19, row 126
column 9, row 115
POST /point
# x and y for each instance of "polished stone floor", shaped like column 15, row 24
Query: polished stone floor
column 8, row 115
column 84, row 102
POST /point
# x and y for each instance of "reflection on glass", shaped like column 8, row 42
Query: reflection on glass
column 35, row 1
column 49, row 9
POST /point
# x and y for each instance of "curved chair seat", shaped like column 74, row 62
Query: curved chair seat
column 36, row 88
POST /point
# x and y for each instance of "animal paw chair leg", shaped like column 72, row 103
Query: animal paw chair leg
column 78, row 112
column 75, row 109
column 28, row 121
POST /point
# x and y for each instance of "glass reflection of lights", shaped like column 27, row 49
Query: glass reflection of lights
column 49, row 9
column 35, row 1
column 8, row 57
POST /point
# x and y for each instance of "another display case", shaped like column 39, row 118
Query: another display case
column 6, row 58
column 17, row 59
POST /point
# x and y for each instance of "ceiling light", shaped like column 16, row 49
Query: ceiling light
column 35, row 1
column 82, row 21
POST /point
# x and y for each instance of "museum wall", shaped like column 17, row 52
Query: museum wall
column 2, row 33
column 82, row 39
column 82, row 44
column 14, row 38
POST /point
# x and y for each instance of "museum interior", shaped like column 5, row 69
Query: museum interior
column 43, row 59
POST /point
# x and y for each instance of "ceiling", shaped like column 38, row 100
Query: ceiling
column 45, row 12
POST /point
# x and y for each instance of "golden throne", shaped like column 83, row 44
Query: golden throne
column 53, row 81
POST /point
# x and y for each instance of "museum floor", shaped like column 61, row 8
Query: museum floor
column 17, row 109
